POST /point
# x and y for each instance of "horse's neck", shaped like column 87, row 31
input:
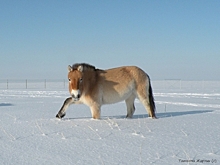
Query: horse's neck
column 90, row 78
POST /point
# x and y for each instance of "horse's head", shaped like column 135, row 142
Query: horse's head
column 75, row 77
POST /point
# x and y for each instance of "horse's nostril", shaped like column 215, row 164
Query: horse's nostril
column 75, row 94
column 76, row 97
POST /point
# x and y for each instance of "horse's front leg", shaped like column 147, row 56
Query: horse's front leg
column 96, row 111
column 66, row 104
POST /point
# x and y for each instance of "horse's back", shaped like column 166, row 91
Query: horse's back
column 124, row 74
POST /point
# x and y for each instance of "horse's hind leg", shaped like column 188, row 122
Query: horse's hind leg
column 66, row 104
column 147, row 100
column 130, row 106
column 146, row 104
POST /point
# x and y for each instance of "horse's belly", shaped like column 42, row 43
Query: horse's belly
column 116, row 86
column 115, row 97
column 112, row 100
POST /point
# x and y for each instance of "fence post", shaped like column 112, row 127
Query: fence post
column 26, row 84
column 7, row 83
column 164, row 86
column 45, row 83
column 203, row 85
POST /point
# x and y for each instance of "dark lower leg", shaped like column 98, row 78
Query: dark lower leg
column 62, row 111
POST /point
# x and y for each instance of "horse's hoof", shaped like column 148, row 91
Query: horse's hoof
column 60, row 117
column 129, row 117
column 57, row 116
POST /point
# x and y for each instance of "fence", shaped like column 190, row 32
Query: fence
column 33, row 84
column 186, row 85
column 62, row 83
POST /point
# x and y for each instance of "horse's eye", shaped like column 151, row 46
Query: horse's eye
column 69, row 79
column 80, row 80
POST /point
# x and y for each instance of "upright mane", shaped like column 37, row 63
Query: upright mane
column 85, row 66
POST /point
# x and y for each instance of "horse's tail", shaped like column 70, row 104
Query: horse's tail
column 151, row 101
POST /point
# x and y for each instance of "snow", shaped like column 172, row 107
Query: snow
column 186, row 131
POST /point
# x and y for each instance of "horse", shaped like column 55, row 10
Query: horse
column 96, row 87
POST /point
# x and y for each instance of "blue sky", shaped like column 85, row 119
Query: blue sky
column 169, row 39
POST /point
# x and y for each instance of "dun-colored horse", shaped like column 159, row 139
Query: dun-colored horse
column 95, row 87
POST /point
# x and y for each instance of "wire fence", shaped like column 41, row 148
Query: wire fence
column 176, row 84
column 185, row 85
column 33, row 84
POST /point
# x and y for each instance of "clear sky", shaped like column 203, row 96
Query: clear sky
column 169, row 39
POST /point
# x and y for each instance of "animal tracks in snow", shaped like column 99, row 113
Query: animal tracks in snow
column 29, row 127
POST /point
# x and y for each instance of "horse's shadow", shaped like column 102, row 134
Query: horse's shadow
column 5, row 104
column 173, row 114
column 159, row 115
column 164, row 114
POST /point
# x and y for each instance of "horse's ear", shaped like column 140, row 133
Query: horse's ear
column 80, row 68
column 70, row 68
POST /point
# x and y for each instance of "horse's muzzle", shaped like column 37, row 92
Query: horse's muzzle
column 75, row 94
column 76, row 98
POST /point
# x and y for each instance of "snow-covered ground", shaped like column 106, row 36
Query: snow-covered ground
column 186, row 131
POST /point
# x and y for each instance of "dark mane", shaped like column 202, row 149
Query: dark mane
column 84, row 65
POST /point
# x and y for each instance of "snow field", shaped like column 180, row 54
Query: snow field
column 187, row 131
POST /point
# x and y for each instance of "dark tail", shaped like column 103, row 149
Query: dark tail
column 151, row 100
